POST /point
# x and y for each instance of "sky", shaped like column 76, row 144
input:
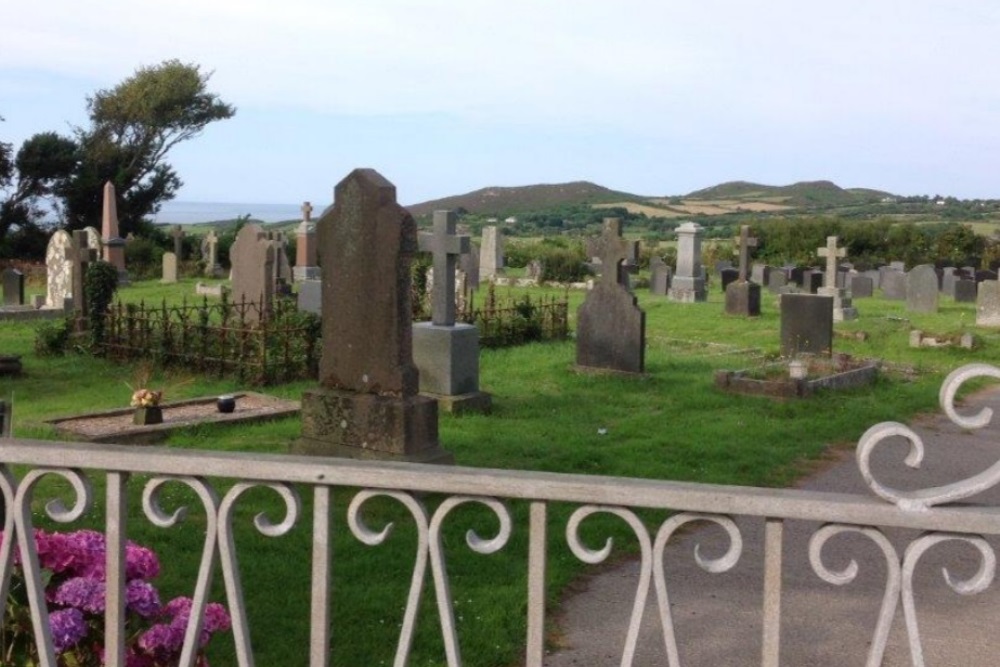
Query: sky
column 444, row 97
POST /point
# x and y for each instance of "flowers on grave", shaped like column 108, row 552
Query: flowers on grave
column 73, row 572
column 146, row 398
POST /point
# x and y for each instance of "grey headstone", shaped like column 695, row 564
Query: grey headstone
column 743, row 297
column 760, row 273
column 310, row 296
column 660, row 275
column 688, row 284
column 894, row 285
column 253, row 257
column 445, row 246
column 949, row 275
column 922, row 289
column 988, row 304
column 776, row 282
column 806, row 324
column 964, row 291
column 58, row 270
column 468, row 263
column 491, row 254
column 812, row 280
column 13, row 287
column 169, row 268
column 862, row 287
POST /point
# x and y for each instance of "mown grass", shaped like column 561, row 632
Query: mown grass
column 670, row 424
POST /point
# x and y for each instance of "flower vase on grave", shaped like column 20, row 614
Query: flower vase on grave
column 152, row 414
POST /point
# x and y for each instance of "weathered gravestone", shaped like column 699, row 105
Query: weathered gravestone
column 988, row 304
column 862, row 287
column 169, row 268
column 964, row 291
column 893, row 284
column 79, row 256
column 310, row 296
column 812, row 281
column 806, row 324
column 210, row 255
column 253, row 256
column 743, row 296
column 446, row 353
column 468, row 263
column 534, row 269
column 922, row 289
column 611, row 328
column 842, row 308
column 491, row 254
column 777, row 282
column 13, row 287
column 688, row 284
column 178, row 235
column 980, row 276
column 367, row 405
column 659, row 276
column 727, row 277
column 949, row 275
column 305, row 247
column 114, row 244
column 760, row 273
column 58, row 270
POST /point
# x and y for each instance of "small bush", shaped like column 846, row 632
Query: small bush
column 101, row 283
column 52, row 337
column 565, row 265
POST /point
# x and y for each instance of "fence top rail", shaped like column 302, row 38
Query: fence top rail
column 520, row 485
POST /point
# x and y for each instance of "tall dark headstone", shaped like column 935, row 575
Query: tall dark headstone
column 367, row 405
column 743, row 296
column 80, row 256
column 806, row 324
column 13, row 287
column 964, row 291
column 611, row 328
column 728, row 276
column 253, row 258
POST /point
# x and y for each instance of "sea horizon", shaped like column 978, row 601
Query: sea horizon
column 189, row 212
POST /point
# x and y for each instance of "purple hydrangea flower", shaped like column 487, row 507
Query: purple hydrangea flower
column 140, row 562
column 142, row 598
column 68, row 628
column 83, row 593
column 162, row 641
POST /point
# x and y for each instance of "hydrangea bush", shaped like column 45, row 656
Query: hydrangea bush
column 73, row 571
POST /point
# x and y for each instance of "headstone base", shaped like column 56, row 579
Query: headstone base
column 478, row 401
column 310, row 297
column 369, row 426
column 300, row 273
column 843, row 311
column 447, row 358
column 687, row 290
column 743, row 299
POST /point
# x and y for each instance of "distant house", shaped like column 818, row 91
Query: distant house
column 511, row 220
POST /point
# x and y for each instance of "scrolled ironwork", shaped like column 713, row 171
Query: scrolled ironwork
column 923, row 499
column 230, row 564
column 374, row 538
column 594, row 556
column 977, row 583
column 893, row 579
column 723, row 563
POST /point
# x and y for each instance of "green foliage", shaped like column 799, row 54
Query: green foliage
column 144, row 258
column 101, row 283
column 52, row 337
column 565, row 265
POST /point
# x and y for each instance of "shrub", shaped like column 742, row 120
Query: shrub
column 52, row 337
column 144, row 258
column 101, row 283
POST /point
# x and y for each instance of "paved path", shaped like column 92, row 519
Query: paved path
column 717, row 616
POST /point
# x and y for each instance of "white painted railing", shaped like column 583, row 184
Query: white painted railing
column 77, row 463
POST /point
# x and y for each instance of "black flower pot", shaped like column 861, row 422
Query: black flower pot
column 226, row 404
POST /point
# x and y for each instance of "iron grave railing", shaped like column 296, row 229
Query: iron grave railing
column 220, row 479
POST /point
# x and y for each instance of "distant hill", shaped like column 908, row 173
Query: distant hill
column 805, row 194
column 511, row 200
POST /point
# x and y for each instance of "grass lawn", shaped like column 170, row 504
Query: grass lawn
column 671, row 424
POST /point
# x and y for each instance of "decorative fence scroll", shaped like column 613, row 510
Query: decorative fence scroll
column 260, row 348
column 652, row 510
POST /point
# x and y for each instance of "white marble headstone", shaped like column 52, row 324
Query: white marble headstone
column 59, row 270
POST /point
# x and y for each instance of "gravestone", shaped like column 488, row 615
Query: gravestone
column 760, row 273
column 58, row 270
column 794, row 274
column 922, row 289
column 898, row 266
column 894, row 285
column 178, row 235
column 611, row 328
column 305, row 247
column 533, row 271
column 777, row 282
column 468, row 263
column 806, row 324
column 980, row 276
column 949, row 275
column 659, row 276
column 988, row 304
column 210, row 255
column 862, row 287
column 842, row 308
column 114, row 244
column 964, row 291
column 367, row 405
column 253, row 256
column 812, row 281
column 446, row 353
column 876, row 277
column 79, row 256
column 169, row 268
column 491, row 254
column 688, row 283
column 310, row 296
column 596, row 250
column 728, row 277
column 743, row 296
column 13, row 287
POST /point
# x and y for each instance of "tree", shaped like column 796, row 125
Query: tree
column 132, row 128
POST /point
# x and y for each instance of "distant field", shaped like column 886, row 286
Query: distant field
column 722, row 206
column 651, row 211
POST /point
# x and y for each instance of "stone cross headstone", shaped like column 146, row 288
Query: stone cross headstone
column 611, row 328
column 80, row 256
column 368, row 404
column 922, row 289
column 307, row 210
column 13, row 287
column 688, row 284
column 832, row 253
column 114, row 244
column 169, row 268
column 59, row 271
column 445, row 246
column 491, row 254
column 210, row 254
column 745, row 242
column 253, row 257
column 178, row 234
